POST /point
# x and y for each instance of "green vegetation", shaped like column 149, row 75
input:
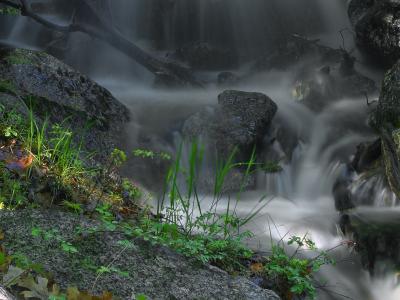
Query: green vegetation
column 207, row 230
column 18, row 57
column 7, row 87
column 292, row 274
column 11, row 11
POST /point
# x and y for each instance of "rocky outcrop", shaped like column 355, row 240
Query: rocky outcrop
column 376, row 23
column 55, row 91
column 155, row 271
column 387, row 112
column 240, row 120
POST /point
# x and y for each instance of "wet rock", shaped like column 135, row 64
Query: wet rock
column 317, row 88
column 377, row 238
column 155, row 271
column 377, row 27
column 203, row 56
column 240, row 120
column 388, row 110
column 63, row 95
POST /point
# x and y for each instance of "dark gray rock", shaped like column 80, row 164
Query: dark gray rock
column 56, row 91
column 388, row 109
column 155, row 271
column 377, row 239
column 377, row 27
column 241, row 120
column 239, row 123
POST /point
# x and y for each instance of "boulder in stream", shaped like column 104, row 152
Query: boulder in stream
column 240, row 120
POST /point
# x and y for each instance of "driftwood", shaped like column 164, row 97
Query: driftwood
column 91, row 20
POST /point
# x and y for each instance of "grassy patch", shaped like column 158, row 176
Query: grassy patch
column 18, row 57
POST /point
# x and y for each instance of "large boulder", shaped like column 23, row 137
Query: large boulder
column 239, row 123
column 53, row 90
column 376, row 23
column 155, row 271
column 241, row 120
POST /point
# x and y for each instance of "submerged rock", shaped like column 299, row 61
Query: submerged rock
column 203, row 56
column 55, row 91
column 376, row 236
column 377, row 27
column 155, row 271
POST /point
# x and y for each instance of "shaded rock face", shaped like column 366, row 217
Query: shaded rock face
column 240, row 120
column 155, row 271
column 388, row 110
column 377, row 240
column 203, row 56
column 377, row 27
column 63, row 95
column 239, row 123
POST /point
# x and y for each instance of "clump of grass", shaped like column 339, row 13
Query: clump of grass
column 18, row 57
column 197, row 230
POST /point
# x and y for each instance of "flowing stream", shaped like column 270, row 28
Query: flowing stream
column 302, row 193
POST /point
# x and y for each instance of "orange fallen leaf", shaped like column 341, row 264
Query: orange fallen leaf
column 256, row 268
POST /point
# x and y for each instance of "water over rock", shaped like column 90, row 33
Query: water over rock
column 55, row 91
column 155, row 271
column 204, row 56
column 321, row 74
column 376, row 23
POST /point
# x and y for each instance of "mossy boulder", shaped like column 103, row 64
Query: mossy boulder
column 31, row 79
column 388, row 110
column 155, row 271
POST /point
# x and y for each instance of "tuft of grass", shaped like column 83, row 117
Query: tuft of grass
column 18, row 57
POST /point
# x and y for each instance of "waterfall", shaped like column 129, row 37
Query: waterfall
column 302, row 191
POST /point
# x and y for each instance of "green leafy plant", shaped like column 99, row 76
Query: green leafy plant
column 292, row 274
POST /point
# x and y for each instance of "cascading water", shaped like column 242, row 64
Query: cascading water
column 303, row 190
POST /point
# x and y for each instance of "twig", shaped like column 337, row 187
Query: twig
column 369, row 103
